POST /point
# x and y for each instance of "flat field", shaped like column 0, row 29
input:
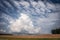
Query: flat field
column 31, row 37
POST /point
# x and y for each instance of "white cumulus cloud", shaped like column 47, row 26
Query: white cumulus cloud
column 23, row 23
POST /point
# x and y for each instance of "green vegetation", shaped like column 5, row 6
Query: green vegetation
column 56, row 31
column 29, row 38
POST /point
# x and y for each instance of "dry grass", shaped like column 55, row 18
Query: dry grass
column 31, row 36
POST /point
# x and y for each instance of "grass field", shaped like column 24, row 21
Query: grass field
column 30, row 37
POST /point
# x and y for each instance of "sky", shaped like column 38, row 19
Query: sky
column 29, row 16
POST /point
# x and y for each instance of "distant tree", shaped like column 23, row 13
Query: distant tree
column 56, row 31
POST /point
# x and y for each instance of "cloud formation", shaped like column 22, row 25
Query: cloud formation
column 31, row 16
column 23, row 23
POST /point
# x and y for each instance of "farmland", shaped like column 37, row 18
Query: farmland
column 31, row 37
